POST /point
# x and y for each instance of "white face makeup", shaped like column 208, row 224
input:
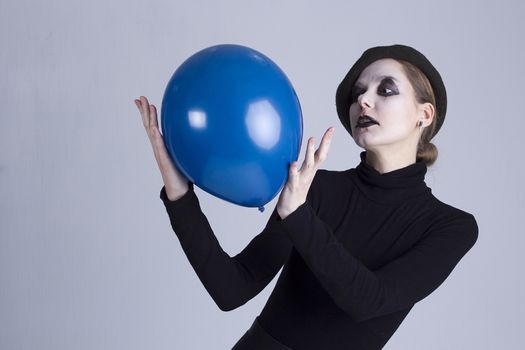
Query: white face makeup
column 383, row 93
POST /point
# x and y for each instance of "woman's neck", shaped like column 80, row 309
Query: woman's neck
column 385, row 162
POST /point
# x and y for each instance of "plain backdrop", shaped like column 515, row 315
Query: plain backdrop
column 88, row 259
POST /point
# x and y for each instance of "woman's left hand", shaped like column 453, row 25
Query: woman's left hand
column 296, row 189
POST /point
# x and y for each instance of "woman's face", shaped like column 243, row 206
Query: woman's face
column 384, row 93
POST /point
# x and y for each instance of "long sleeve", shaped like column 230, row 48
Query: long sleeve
column 365, row 293
column 230, row 281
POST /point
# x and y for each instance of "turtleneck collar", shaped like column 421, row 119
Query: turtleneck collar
column 393, row 186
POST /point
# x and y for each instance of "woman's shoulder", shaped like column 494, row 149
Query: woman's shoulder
column 328, row 175
column 325, row 179
column 448, row 210
column 327, row 187
column 446, row 217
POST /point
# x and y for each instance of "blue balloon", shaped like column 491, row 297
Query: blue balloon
column 232, row 124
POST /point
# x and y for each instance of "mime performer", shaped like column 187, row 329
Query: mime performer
column 359, row 247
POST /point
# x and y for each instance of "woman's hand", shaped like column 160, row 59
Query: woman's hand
column 296, row 189
column 175, row 183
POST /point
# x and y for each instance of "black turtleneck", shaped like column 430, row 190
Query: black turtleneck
column 357, row 255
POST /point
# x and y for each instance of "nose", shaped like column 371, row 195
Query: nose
column 365, row 100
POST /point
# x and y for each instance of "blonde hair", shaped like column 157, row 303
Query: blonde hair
column 426, row 151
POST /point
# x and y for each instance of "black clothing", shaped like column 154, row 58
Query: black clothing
column 256, row 338
column 357, row 255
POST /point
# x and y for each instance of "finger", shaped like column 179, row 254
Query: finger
column 138, row 102
column 144, row 100
column 292, row 171
column 141, row 102
column 308, row 161
column 144, row 111
column 153, row 116
column 145, row 107
column 322, row 152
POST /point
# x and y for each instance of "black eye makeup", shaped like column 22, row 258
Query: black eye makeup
column 356, row 91
column 386, row 88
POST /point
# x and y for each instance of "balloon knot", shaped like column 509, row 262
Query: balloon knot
column 261, row 209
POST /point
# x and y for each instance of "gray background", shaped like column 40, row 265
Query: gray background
column 88, row 259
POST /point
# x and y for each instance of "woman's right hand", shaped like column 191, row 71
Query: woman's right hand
column 175, row 183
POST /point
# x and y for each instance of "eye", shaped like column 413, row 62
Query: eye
column 387, row 88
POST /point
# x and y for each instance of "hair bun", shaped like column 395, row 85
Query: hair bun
column 427, row 153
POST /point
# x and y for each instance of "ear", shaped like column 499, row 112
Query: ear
column 426, row 113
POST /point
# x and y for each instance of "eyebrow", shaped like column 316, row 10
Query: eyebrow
column 382, row 77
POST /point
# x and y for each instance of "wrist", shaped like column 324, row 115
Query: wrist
column 284, row 212
column 174, row 194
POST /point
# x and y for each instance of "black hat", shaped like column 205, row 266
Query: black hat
column 398, row 52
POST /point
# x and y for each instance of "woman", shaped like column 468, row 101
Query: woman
column 359, row 247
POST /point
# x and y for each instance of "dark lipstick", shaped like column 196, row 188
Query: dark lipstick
column 365, row 121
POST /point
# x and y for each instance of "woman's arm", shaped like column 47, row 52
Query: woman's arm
column 365, row 293
column 230, row 281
